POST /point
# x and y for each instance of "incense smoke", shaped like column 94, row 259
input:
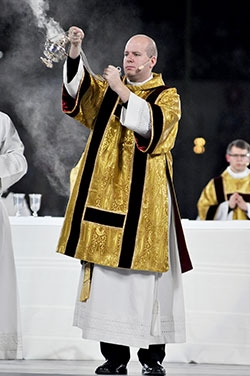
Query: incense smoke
column 40, row 9
column 54, row 142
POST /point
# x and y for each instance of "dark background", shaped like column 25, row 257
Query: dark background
column 203, row 52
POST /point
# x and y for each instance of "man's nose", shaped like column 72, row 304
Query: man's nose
column 129, row 58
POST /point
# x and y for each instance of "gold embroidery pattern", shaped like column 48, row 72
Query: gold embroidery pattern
column 152, row 232
column 110, row 186
column 95, row 244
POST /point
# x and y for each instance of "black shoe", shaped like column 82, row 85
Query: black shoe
column 157, row 370
column 110, row 368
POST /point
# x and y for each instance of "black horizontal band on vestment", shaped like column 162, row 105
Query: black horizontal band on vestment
column 104, row 217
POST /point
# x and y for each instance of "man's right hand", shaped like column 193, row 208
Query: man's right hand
column 76, row 36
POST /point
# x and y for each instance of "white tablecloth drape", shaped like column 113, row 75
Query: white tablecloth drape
column 216, row 292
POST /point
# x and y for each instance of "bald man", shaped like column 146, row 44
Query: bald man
column 122, row 218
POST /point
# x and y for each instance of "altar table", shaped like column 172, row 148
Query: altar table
column 216, row 291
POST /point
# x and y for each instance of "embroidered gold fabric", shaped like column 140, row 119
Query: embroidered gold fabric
column 85, row 291
column 231, row 185
column 111, row 183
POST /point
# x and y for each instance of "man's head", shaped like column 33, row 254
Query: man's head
column 140, row 56
column 238, row 155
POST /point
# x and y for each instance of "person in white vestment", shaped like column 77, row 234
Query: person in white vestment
column 227, row 196
column 130, row 307
column 13, row 166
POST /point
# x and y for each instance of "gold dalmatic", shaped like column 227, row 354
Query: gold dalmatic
column 219, row 190
column 117, row 214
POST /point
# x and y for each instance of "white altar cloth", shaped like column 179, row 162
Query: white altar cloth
column 217, row 293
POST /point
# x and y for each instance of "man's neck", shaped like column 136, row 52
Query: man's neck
column 139, row 83
column 238, row 175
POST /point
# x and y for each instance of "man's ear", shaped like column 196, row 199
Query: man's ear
column 227, row 158
column 153, row 61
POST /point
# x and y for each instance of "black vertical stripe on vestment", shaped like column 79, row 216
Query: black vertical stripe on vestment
column 158, row 126
column 157, row 121
column 104, row 114
column 137, row 186
column 142, row 142
column 134, row 209
column 218, row 185
column 136, row 190
column 69, row 104
column 185, row 261
column 211, row 212
column 157, row 116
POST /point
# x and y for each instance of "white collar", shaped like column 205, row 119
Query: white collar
column 139, row 83
column 238, row 175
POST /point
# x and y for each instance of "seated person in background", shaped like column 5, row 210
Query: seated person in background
column 227, row 196
column 13, row 166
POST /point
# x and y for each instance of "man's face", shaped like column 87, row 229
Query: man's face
column 137, row 64
column 238, row 159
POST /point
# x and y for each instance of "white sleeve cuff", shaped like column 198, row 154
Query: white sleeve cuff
column 222, row 213
column 248, row 210
column 137, row 116
column 73, row 85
